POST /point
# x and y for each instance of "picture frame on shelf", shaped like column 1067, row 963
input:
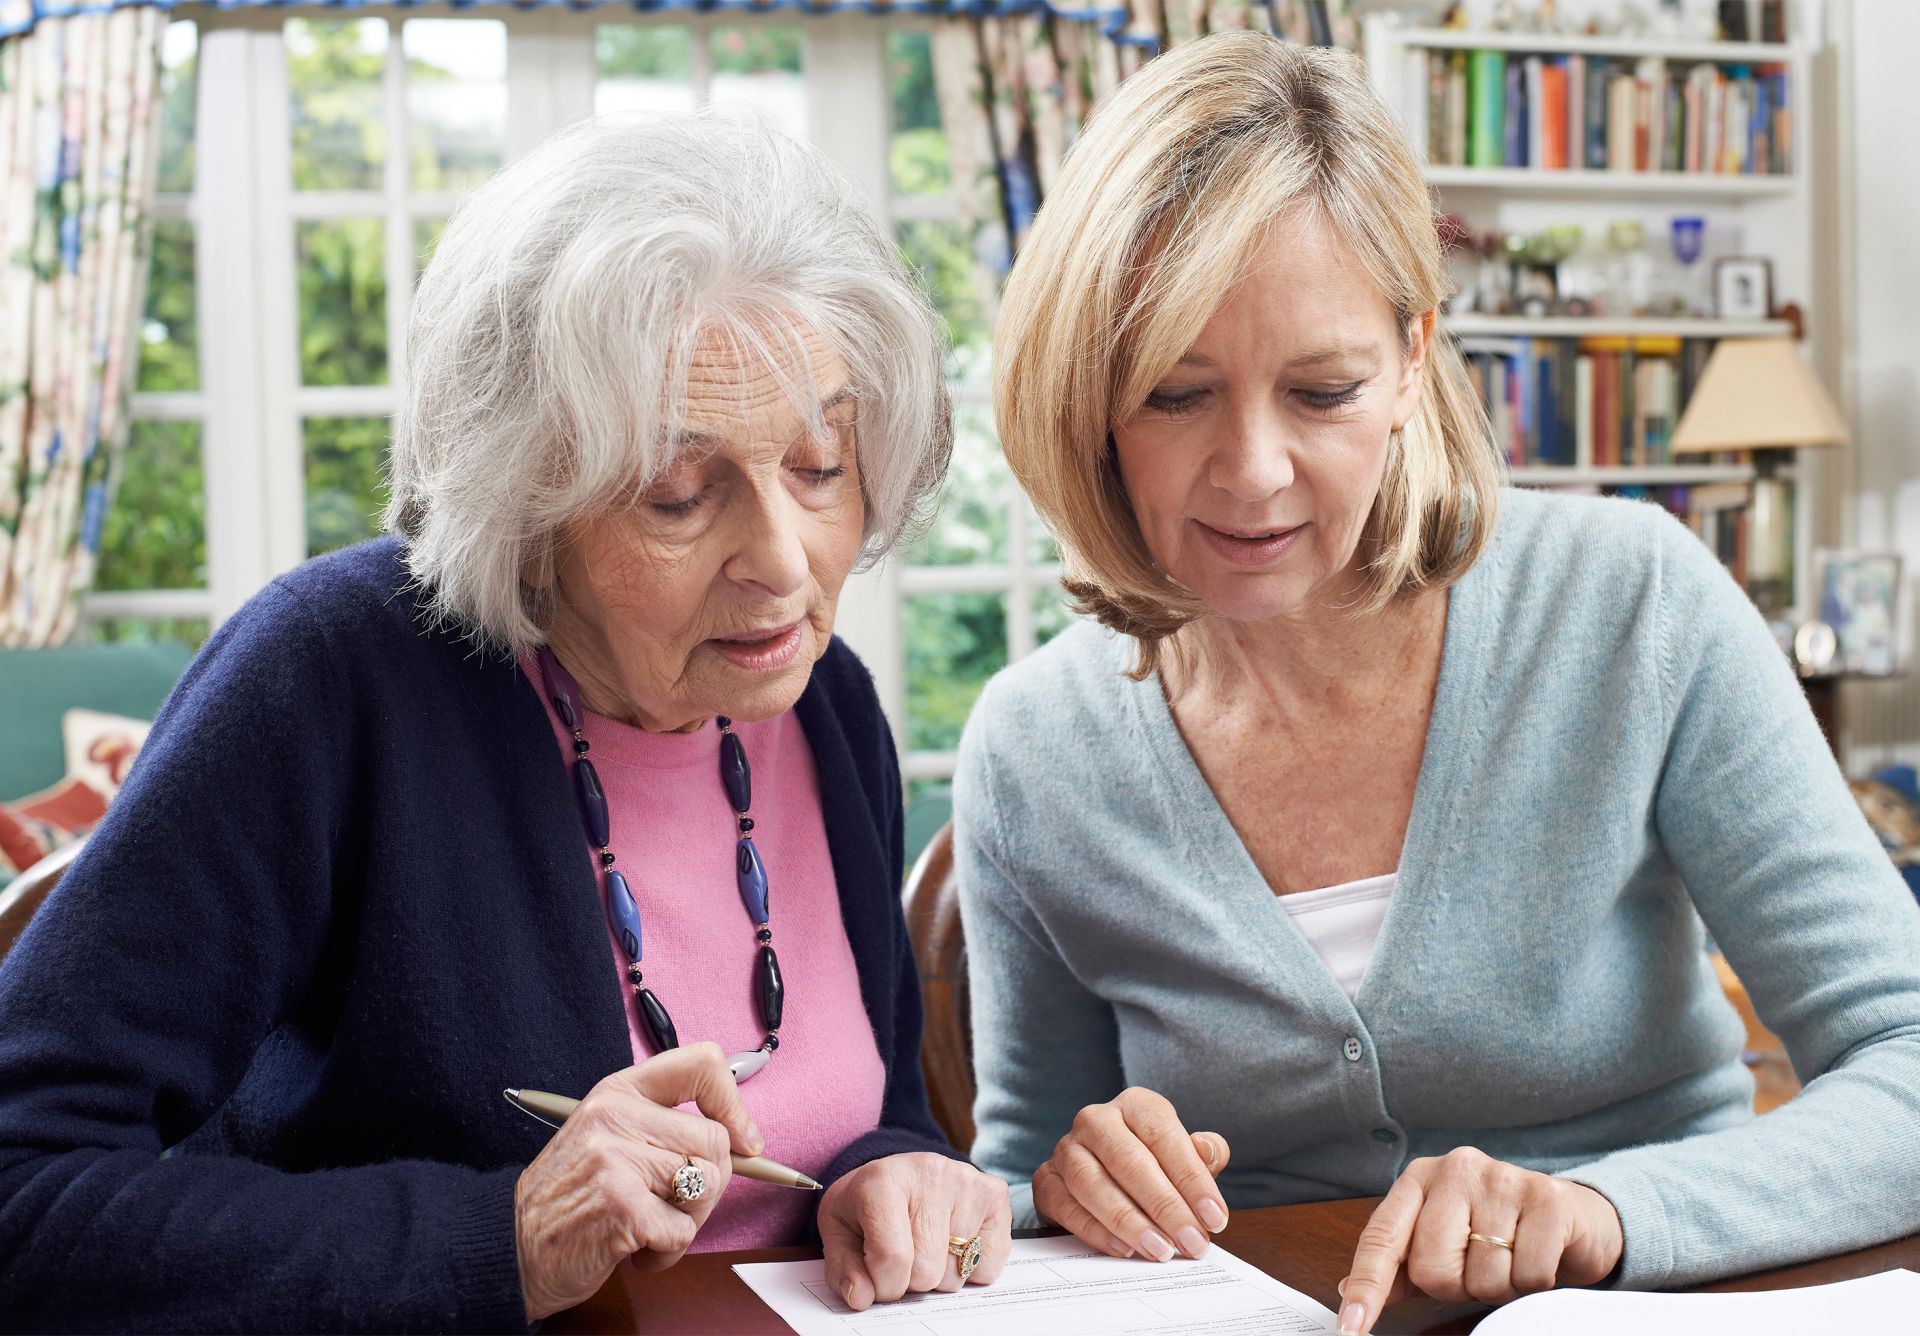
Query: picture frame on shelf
column 1860, row 600
column 1743, row 288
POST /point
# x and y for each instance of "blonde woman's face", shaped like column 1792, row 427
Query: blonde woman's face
column 714, row 592
column 1254, row 463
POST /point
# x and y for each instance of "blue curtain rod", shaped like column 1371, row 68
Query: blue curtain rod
column 16, row 18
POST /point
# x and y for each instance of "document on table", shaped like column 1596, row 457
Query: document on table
column 1056, row 1287
column 1872, row 1304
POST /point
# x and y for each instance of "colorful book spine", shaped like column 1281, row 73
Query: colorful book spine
column 1487, row 108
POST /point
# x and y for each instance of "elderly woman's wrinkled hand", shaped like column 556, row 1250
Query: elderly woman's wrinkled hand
column 888, row 1227
column 1129, row 1179
column 1465, row 1226
column 602, row 1192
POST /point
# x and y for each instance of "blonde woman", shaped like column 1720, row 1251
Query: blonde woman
column 1374, row 828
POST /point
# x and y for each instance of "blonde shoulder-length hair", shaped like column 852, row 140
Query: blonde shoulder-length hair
column 1177, row 177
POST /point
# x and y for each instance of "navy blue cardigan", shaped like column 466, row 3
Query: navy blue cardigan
column 252, row 1048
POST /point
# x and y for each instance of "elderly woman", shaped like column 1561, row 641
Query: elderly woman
column 497, row 802
column 1375, row 832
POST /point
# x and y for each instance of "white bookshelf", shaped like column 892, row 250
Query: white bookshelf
column 1469, row 324
column 1769, row 215
column 1623, row 48
column 1664, row 475
column 1701, row 186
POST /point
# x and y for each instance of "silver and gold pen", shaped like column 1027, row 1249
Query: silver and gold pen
column 556, row 1109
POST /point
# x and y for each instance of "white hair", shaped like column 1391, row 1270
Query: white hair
column 552, row 333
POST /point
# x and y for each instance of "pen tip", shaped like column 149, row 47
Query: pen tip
column 511, row 1094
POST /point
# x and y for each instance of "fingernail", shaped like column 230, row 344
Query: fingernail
column 1192, row 1241
column 1155, row 1246
column 755, row 1142
column 1211, row 1214
column 1352, row 1318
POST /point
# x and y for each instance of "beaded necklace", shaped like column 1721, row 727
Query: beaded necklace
column 623, row 912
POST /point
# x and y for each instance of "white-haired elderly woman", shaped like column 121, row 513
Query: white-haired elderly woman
column 497, row 801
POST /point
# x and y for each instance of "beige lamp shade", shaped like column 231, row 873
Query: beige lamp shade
column 1757, row 394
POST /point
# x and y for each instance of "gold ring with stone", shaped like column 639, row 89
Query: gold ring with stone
column 689, row 1183
column 966, row 1252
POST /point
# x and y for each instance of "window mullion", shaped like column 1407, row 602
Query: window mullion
column 227, row 286
column 283, row 501
column 399, row 221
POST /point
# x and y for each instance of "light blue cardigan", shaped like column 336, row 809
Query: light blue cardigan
column 1615, row 744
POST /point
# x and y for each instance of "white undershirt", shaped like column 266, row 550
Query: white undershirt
column 1342, row 924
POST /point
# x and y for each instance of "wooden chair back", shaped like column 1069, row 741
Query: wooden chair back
column 25, row 893
column 940, row 953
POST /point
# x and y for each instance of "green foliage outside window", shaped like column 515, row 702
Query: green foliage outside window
column 343, row 301
column 339, row 125
column 643, row 51
column 155, row 532
column 344, row 488
column 954, row 643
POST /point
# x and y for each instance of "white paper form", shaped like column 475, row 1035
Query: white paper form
column 1885, row 1303
column 1057, row 1287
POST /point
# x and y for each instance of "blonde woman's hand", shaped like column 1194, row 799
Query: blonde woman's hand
column 1129, row 1179
column 1561, row 1233
column 884, row 1227
column 601, row 1193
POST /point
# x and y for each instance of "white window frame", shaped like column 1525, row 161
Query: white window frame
column 244, row 210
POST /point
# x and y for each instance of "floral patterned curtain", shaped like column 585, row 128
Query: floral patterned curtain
column 78, row 130
column 1015, row 89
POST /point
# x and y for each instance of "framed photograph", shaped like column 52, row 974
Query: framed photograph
column 1860, row 600
column 1743, row 288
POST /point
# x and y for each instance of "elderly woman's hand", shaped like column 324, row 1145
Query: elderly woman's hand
column 885, row 1227
column 1552, row 1232
column 602, row 1191
column 1128, row 1178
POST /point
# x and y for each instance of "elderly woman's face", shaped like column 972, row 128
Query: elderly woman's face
column 714, row 593
column 1254, row 463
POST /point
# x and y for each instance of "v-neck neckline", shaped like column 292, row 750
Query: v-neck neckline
column 1195, row 808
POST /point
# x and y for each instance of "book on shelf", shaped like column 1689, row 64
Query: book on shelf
column 1597, row 402
column 1485, row 108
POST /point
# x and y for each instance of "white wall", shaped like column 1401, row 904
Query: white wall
column 1880, row 369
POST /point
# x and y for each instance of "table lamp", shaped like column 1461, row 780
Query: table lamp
column 1760, row 395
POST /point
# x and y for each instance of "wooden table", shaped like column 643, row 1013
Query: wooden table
column 1307, row 1247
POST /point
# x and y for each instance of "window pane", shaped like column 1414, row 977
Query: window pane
column 169, row 337
column 456, row 100
column 940, row 251
column 954, row 643
column 149, row 630
column 343, row 302
column 1051, row 615
column 643, row 67
column 919, row 150
column 344, row 490
column 155, row 532
column 339, row 127
column 1045, row 549
column 426, row 239
column 763, row 68
column 971, row 528
column 179, row 61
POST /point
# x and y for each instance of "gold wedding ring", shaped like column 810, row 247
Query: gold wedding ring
column 966, row 1252
column 1495, row 1240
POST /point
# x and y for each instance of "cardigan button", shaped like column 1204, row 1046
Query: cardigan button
column 1351, row 1048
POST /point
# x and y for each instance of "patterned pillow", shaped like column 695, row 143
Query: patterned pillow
column 34, row 826
column 101, row 747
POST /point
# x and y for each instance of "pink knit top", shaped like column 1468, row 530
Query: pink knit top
column 673, row 833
